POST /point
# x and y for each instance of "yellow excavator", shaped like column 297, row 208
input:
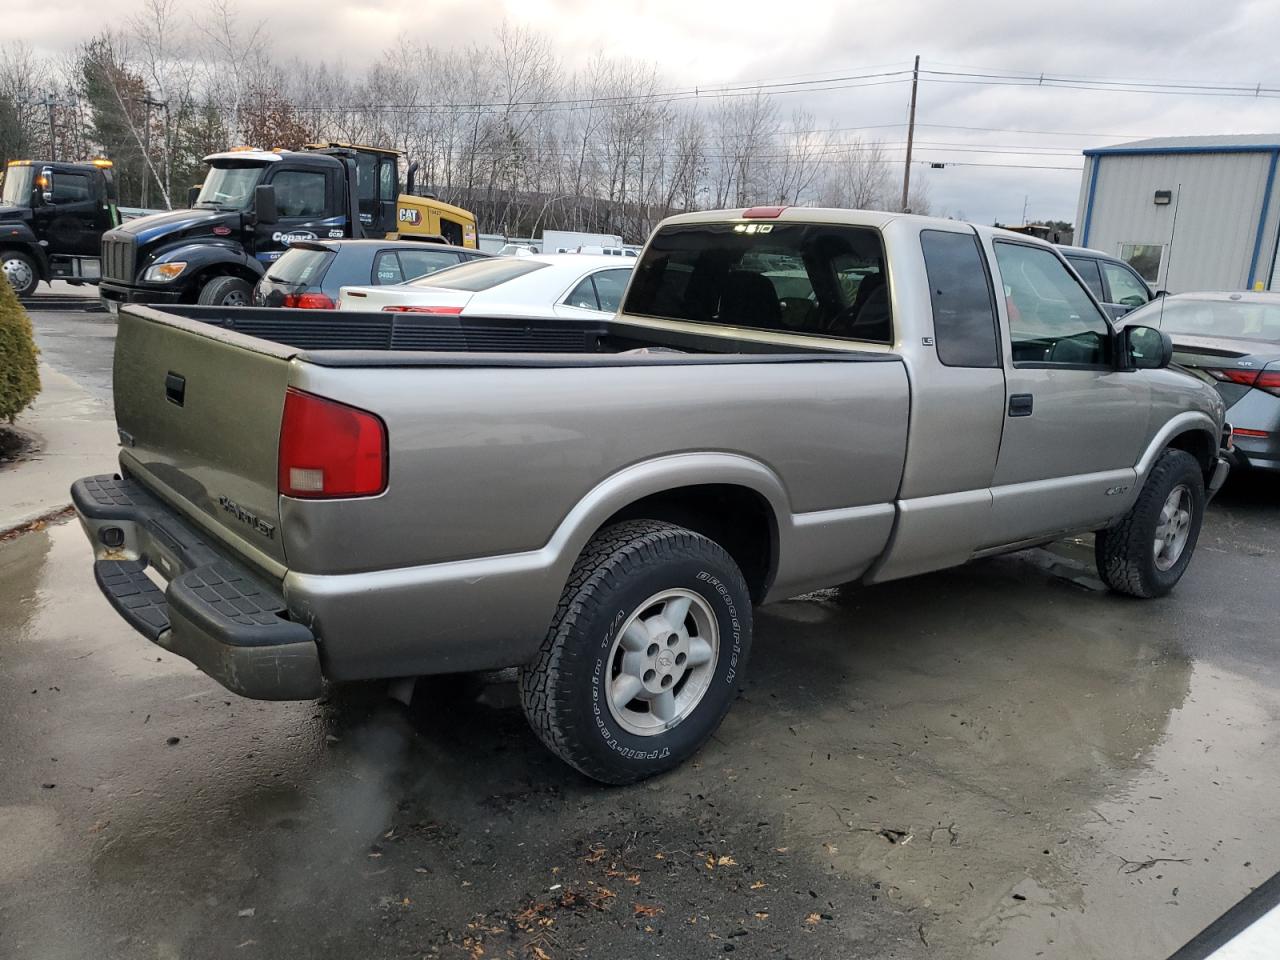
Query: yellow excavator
column 387, row 213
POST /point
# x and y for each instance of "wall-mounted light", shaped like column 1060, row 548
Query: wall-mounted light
column 1164, row 198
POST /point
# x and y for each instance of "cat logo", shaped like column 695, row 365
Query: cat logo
column 410, row 216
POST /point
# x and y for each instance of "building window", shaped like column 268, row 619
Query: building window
column 1146, row 258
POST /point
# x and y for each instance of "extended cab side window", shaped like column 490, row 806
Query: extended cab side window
column 1052, row 321
column 964, row 317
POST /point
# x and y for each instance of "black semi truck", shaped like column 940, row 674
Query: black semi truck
column 52, row 218
column 251, row 206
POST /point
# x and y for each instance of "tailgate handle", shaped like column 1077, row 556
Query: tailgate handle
column 175, row 388
column 1020, row 404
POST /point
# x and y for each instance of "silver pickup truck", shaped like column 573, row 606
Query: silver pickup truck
column 789, row 399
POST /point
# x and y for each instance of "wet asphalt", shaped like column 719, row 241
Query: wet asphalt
column 999, row 761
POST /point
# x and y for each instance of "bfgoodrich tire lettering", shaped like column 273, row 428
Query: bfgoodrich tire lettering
column 563, row 691
column 1130, row 555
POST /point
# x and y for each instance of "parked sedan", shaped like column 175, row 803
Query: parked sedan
column 1231, row 340
column 310, row 273
column 536, row 285
column 1117, row 285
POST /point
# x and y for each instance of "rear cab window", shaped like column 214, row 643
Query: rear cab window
column 823, row 279
column 476, row 275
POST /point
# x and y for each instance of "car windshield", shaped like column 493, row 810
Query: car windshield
column 17, row 186
column 479, row 274
column 1247, row 319
column 230, row 186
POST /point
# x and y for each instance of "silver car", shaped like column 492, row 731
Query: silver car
column 1231, row 340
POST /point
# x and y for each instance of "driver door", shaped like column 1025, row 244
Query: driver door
column 306, row 209
column 1073, row 422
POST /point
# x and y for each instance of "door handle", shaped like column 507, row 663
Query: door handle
column 1020, row 404
column 175, row 388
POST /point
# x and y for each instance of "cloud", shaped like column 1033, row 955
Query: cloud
column 721, row 41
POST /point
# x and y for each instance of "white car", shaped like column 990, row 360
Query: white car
column 539, row 285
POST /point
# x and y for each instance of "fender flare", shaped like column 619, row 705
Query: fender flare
column 201, row 255
column 1186, row 422
column 649, row 477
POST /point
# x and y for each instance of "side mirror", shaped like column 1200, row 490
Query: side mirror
column 45, row 183
column 1148, row 348
column 193, row 194
column 264, row 204
column 1160, row 293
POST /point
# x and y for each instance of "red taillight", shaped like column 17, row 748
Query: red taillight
column 328, row 449
column 763, row 213
column 1254, row 434
column 308, row 301
column 1268, row 380
column 439, row 311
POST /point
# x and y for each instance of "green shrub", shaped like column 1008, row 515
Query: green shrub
column 19, row 376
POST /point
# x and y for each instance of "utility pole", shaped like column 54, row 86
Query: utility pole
column 147, row 103
column 50, row 102
column 911, row 134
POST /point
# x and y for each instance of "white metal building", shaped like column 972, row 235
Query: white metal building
column 1189, row 213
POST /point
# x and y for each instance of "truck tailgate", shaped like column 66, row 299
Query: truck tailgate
column 199, row 411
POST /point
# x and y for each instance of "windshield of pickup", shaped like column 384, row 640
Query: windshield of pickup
column 230, row 186
column 792, row 277
column 17, row 186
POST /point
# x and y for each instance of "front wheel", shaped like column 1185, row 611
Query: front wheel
column 226, row 292
column 20, row 270
column 1146, row 553
column 644, row 655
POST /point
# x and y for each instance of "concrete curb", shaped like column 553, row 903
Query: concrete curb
column 77, row 437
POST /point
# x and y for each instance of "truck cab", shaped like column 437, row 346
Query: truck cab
column 252, row 205
column 52, row 216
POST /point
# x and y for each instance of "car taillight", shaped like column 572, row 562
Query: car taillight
column 308, row 301
column 1268, row 380
column 328, row 449
column 1243, row 377
column 441, row 310
column 1249, row 434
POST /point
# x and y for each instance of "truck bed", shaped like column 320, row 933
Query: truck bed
column 333, row 338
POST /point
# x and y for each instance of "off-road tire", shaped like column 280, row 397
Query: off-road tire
column 617, row 571
column 218, row 291
column 1124, row 553
column 30, row 287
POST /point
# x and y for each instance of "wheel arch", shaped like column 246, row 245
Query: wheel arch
column 735, row 501
column 1192, row 431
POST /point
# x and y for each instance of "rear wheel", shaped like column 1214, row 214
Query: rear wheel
column 644, row 654
column 226, row 292
column 20, row 270
column 1146, row 553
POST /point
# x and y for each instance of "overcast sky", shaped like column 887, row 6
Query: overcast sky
column 712, row 42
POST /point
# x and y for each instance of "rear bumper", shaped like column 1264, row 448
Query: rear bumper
column 213, row 611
